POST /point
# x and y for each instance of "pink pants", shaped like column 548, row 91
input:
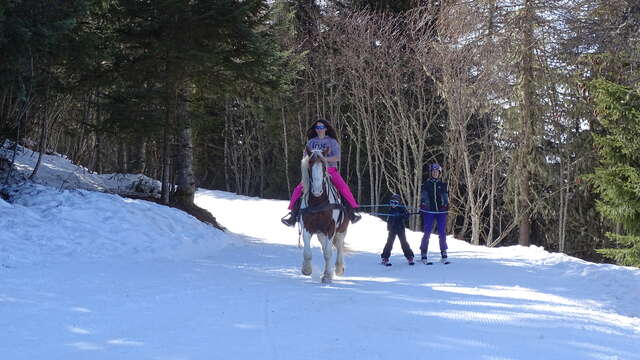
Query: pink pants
column 337, row 181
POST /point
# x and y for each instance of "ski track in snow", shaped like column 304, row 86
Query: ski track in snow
column 93, row 276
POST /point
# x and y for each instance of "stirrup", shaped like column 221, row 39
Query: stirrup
column 291, row 220
column 355, row 218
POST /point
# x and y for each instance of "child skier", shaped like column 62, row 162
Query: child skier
column 434, row 204
column 395, row 226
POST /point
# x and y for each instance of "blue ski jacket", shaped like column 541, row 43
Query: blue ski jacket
column 434, row 195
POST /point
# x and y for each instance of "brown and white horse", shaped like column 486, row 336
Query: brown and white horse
column 322, row 214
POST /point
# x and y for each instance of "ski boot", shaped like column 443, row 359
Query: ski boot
column 292, row 217
column 354, row 217
column 424, row 259
column 443, row 257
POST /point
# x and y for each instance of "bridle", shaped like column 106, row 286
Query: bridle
column 316, row 155
column 327, row 187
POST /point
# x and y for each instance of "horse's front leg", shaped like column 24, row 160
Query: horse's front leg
column 327, row 251
column 338, row 241
column 306, row 253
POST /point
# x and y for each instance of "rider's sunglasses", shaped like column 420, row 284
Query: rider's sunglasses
column 320, row 127
column 394, row 202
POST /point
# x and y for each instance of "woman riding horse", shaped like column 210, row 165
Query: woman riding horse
column 321, row 136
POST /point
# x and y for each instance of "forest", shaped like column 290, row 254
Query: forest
column 532, row 107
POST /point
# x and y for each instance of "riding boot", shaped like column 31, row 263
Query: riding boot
column 353, row 215
column 292, row 217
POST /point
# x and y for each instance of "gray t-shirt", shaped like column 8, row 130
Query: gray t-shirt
column 326, row 142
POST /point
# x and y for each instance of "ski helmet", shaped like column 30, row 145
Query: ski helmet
column 435, row 166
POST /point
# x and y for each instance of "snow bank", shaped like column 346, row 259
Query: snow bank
column 59, row 172
column 45, row 225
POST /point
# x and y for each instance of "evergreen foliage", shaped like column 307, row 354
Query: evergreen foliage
column 617, row 181
column 396, row 6
column 32, row 38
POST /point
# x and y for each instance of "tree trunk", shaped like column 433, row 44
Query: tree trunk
column 527, row 119
column 492, row 198
column 23, row 113
column 185, row 181
column 138, row 163
column 286, row 149
column 122, row 157
column 42, row 146
column 164, row 194
column 97, row 160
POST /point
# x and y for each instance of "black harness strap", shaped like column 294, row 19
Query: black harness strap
column 324, row 207
column 328, row 188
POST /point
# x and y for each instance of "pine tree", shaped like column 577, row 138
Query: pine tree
column 195, row 47
column 617, row 181
column 33, row 35
column 396, row 6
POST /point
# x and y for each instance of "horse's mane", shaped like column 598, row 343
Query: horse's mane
column 304, row 168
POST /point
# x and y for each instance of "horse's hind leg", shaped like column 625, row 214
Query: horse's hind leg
column 327, row 251
column 306, row 253
column 338, row 242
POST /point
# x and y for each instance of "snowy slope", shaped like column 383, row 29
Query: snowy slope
column 58, row 172
column 43, row 225
column 85, row 275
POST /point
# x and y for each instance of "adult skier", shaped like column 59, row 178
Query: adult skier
column 434, row 205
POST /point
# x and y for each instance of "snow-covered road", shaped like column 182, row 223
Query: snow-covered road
column 109, row 278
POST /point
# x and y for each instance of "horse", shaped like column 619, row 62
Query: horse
column 322, row 214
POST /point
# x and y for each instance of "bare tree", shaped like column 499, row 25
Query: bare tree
column 355, row 37
column 53, row 110
column 412, row 109
column 462, row 60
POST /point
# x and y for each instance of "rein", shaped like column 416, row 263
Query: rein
column 331, row 192
column 333, row 199
column 414, row 211
column 325, row 207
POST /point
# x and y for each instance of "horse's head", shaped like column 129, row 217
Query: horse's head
column 314, row 168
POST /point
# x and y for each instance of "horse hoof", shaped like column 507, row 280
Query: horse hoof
column 339, row 271
column 306, row 271
column 326, row 279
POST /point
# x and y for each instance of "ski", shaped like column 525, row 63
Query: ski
column 387, row 263
column 443, row 262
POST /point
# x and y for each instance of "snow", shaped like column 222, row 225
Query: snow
column 58, row 172
column 88, row 275
column 46, row 225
